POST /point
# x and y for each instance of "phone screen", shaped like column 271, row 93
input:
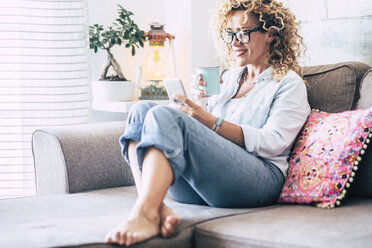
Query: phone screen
column 174, row 86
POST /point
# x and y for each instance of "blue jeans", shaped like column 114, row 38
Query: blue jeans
column 207, row 168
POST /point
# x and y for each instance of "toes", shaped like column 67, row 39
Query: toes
column 108, row 238
column 120, row 238
column 164, row 232
column 113, row 237
column 173, row 220
column 129, row 239
column 134, row 231
column 169, row 225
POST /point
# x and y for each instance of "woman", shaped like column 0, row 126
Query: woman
column 242, row 162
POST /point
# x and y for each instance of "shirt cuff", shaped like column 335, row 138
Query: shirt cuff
column 250, row 135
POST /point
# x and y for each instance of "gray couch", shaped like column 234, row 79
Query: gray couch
column 84, row 189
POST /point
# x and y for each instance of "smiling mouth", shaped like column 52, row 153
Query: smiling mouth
column 239, row 53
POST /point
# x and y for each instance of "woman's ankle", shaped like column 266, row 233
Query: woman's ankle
column 147, row 210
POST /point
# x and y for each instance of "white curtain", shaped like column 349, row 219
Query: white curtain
column 43, row 80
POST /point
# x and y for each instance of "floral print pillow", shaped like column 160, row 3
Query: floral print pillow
column 326, row 156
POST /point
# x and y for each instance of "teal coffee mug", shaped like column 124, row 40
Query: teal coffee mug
column 211, row 75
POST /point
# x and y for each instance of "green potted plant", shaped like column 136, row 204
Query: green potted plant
column 124, row 31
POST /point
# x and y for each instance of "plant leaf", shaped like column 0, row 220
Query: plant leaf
column 140, row 42
column 126, row 35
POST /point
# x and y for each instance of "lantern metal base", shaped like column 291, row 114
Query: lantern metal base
column 154, row 92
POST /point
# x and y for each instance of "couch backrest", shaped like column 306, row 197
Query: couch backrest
column 336, row 87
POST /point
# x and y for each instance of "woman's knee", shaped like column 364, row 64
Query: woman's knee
column 166, row 115
column 159, row 113
column 139, row 111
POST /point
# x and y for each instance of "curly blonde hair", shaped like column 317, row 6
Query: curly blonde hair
column 285, row 49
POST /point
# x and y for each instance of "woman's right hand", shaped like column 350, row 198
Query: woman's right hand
column 200, row 96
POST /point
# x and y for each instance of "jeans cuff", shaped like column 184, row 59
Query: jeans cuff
column 133, row 131
column 171, row 152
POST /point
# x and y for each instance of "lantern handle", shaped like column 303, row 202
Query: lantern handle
column 169, row 36
column 138, row 69
column 171, row 71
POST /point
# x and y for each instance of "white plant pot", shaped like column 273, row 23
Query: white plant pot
column 112, row 90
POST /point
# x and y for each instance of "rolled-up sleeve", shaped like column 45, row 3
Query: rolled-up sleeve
column 287, row 115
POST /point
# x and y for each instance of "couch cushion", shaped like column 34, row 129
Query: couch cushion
column 85, row 218
column 334, row 88
column 292, row 226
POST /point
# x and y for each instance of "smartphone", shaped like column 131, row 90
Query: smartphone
column 174, row 86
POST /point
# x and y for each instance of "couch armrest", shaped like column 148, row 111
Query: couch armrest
column 365, row 100
column 79, row 158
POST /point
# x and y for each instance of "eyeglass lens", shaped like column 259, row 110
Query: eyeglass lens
column 242, row 37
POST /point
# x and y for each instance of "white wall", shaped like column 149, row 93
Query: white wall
column 178, row 23
column 335, row 30
column 203, row 52
column 189, row 21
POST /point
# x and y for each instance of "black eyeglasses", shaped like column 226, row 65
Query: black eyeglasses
column 243, row 36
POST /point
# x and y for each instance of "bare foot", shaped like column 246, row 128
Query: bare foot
column 169, row 221
column 139, row 227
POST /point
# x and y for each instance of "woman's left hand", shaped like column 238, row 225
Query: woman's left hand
column 194, row 110
column 228, row 130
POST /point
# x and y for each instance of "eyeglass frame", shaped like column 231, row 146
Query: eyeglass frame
column 234, row 34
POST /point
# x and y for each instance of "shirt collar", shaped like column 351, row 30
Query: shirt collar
column 264, row 76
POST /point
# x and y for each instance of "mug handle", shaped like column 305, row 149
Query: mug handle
column 196, row 83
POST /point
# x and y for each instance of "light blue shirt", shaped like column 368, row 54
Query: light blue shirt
column 270, row 115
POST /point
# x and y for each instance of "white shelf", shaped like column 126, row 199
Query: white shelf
column 122, row 107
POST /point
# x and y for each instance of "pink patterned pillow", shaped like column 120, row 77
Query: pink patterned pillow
column 326, row 156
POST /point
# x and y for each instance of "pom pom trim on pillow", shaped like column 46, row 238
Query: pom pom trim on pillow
column 326, row 156
column 355, row 169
